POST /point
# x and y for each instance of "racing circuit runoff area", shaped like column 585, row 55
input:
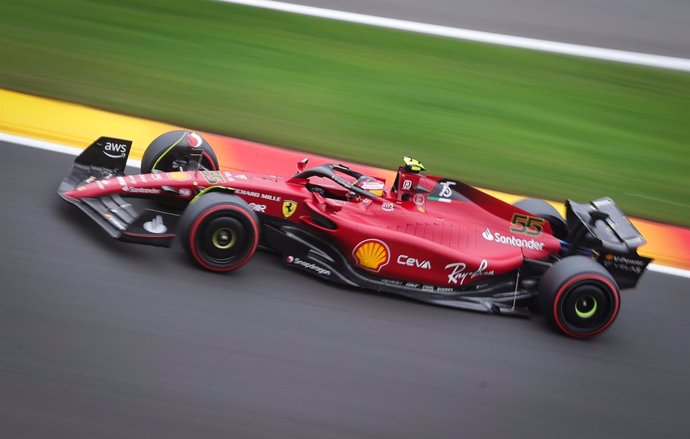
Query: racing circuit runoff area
column 104, row 339
column 114, row 340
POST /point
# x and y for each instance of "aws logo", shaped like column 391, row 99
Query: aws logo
column 372, row 254
column 115, row 150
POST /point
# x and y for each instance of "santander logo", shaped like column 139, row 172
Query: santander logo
column 512, row 240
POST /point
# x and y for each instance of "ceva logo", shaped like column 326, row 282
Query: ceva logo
column 413, row 262
column 487, row 235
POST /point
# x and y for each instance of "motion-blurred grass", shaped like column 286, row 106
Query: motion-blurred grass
column 520, row 121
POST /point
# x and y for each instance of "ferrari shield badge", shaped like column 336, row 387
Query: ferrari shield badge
column 289, row 208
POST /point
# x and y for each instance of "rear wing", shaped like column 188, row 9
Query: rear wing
column 602, row 226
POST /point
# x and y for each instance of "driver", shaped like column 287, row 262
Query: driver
column 369, row 184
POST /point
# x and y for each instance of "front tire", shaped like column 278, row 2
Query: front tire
column 219, row 232
column 170, row 152
column 579, row 297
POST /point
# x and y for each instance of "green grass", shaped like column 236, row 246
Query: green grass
column 508, row 119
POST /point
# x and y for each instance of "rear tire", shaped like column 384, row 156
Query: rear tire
column 579, row 297
column 542, row 209
column 170, row 152
column 219, row 232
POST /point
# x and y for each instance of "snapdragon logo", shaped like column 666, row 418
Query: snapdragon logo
column 513, row 241
column 308, row 265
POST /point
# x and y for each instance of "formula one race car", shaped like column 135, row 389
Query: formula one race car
column 428, row 238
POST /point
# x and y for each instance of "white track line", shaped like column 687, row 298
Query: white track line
column 74, row 150
column 673, row 271
column 644, row 59
column 55, row 147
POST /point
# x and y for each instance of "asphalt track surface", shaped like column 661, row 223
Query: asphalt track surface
column 102, row 339
column 660, row 27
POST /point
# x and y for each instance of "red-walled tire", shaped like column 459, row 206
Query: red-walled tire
column 579, row 297
column 219, row 231
column 170, row 152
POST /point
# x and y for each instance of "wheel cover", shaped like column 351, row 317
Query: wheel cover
column 586, row 306
column 224, row 238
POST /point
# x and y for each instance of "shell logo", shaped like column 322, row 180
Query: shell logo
column 372, row 254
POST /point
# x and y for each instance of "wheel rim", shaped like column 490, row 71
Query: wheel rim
column 223, row 238
column 587, row 307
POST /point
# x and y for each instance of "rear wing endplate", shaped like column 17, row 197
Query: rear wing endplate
column 606, row 223
column 603, row 226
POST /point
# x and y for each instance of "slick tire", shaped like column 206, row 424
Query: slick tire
column 170, row 152
column 542, row 209
column 578, row 297
column 219, row 232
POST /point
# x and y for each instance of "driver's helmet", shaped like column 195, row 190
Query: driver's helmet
column 370, row 184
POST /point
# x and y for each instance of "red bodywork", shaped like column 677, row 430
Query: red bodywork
column 426, row 230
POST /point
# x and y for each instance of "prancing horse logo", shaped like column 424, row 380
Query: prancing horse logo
column 289, row 208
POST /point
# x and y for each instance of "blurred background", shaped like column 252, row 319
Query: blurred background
column 103, row 339
column 503, row 118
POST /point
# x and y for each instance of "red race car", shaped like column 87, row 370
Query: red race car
column 428, row 238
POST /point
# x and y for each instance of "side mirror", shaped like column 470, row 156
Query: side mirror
column 302, row 164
